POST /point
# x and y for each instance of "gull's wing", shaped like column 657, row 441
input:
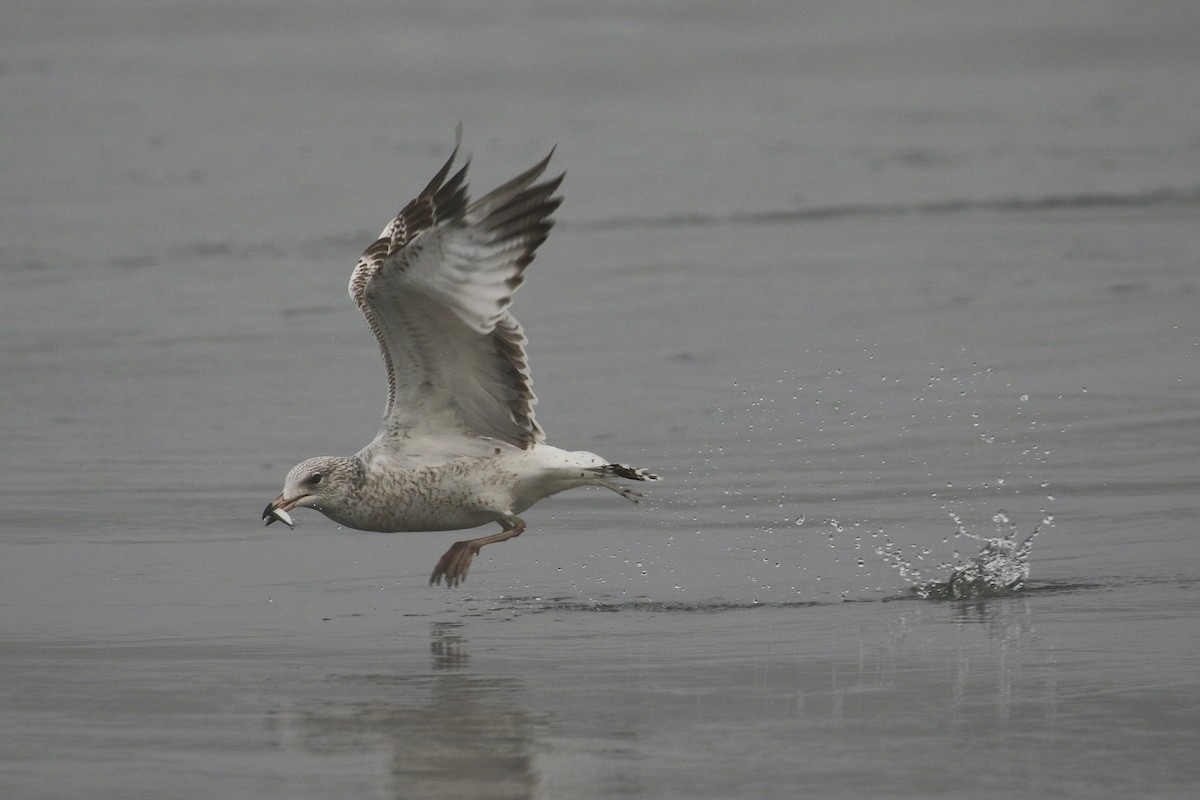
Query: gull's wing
column 435, row 289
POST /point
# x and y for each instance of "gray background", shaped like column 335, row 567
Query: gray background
column 831, row 269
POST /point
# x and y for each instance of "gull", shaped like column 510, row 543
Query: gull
column 458, row 446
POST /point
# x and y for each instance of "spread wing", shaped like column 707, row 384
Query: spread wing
column 435, row 289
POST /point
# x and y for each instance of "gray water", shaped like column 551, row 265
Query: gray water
column 837, row 272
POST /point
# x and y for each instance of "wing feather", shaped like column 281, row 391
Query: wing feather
column 435, row 288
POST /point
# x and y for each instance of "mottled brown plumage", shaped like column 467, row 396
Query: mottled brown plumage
column 459, row 445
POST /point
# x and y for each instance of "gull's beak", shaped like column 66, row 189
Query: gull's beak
column 277, row 510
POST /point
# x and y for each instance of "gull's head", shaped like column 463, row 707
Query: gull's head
column 321, row 483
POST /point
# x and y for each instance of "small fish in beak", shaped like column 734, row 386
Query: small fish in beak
column 271, row 514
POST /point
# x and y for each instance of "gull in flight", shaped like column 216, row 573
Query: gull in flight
column 458, row 446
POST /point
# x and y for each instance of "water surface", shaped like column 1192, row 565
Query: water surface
column 833, row 272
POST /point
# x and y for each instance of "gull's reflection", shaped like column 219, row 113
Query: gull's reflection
column 447, row 733
column 446, row 646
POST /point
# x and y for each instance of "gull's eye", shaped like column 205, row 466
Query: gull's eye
column 314, row 479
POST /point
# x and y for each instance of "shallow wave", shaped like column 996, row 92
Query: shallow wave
column 1154, row 198
column 324, row 247
column 533, row 605
column 541, row 605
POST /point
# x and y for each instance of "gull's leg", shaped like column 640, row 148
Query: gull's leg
column 454, row 564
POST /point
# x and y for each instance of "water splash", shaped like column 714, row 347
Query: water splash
column 1000, row 567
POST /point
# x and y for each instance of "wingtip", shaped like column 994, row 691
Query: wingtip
column 440, row 178
column 540, row 167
